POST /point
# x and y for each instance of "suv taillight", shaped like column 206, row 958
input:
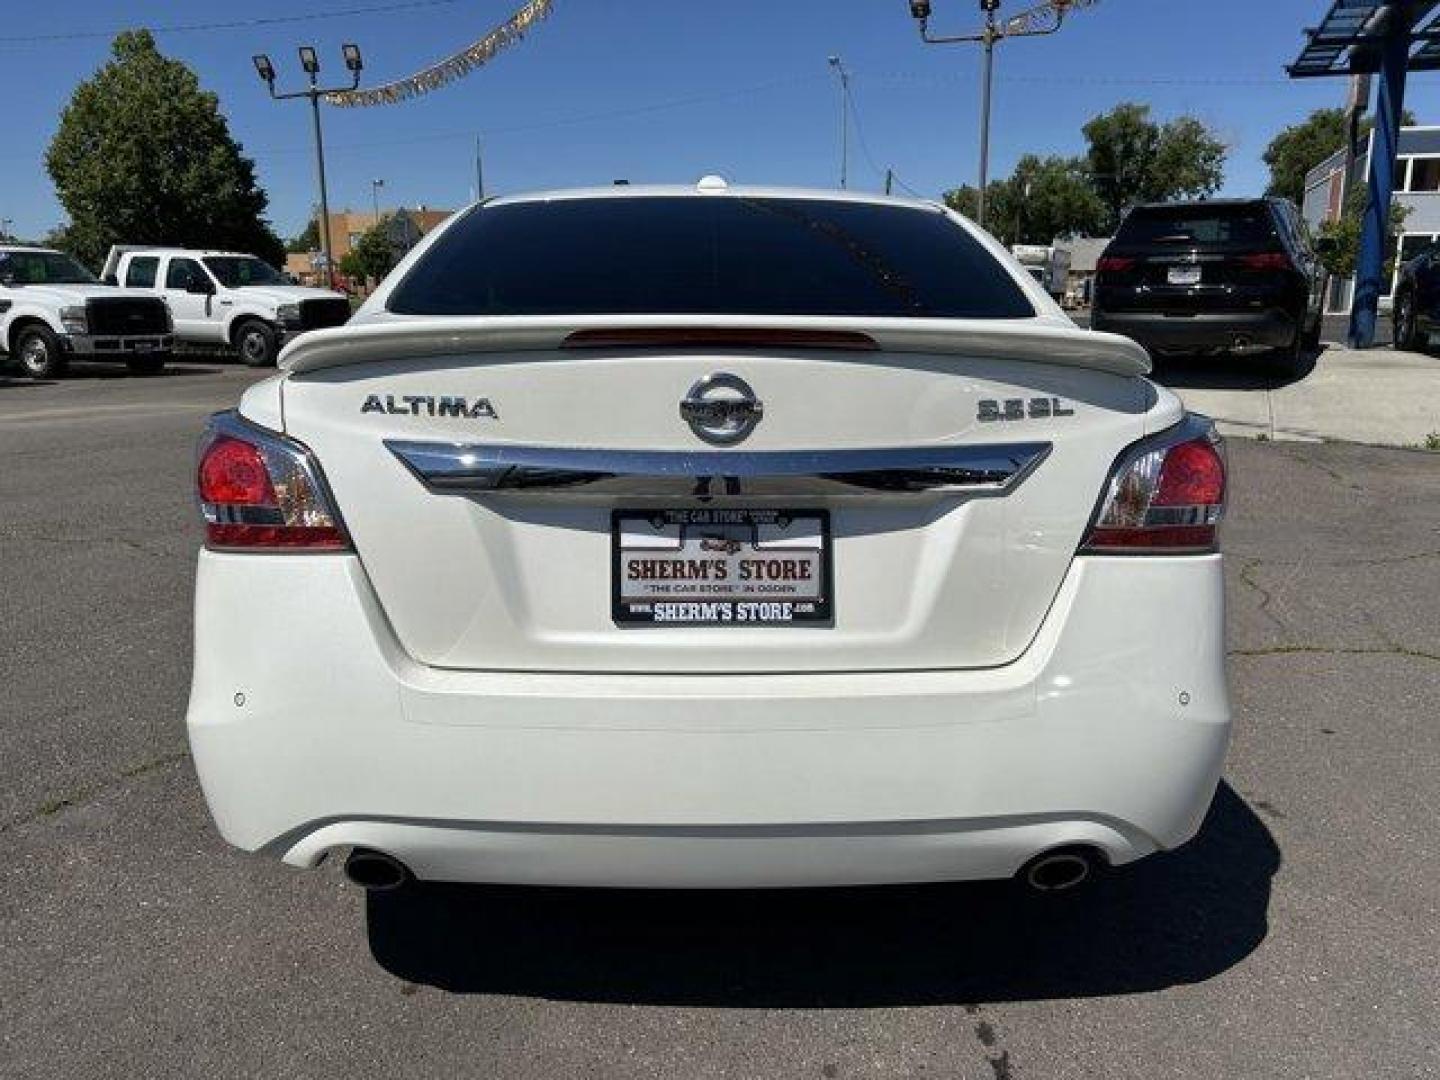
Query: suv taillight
column 261, row 491
column 1115, row 264
column 1166, row 495
column 1265, row 260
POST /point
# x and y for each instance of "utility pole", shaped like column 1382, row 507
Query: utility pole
column 839, row 66
column 311, row 64
column 479, row 173
column 1046, row 18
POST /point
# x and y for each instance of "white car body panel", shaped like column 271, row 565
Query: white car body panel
column 307, row 709
column 456, row 693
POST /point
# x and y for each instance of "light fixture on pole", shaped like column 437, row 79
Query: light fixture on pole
column 375, row 186
column 839, row 67
column 1042, row 19
column 310, row 64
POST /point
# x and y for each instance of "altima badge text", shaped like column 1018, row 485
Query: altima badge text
column 426, row 405
column 1037, row 408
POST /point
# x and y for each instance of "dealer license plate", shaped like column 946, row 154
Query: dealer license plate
column 1184, row 275
column 710, row 567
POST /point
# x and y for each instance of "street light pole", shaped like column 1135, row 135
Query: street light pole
column 839, row 66
column 1045, row 18
column 311, row 63
column 375, row 186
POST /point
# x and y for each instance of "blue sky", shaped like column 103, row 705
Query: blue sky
column 661, row 90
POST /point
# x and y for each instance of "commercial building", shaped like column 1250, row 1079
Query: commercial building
column 405, row 227
column 1417, row 189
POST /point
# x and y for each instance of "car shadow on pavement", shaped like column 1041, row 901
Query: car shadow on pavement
column 1171, row 919
column 1227, row 372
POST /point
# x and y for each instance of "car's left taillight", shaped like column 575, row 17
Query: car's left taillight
column 1165, row 495
column 262, row 491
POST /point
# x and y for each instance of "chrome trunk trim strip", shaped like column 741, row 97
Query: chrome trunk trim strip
column 480, row 467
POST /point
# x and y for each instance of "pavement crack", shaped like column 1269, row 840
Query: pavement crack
column 1266, row 596
column 1333, row 650
column 88, row 794
column 1253, row 562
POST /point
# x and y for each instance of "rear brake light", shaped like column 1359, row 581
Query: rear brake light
column 1114, row 264
column 718, row 337
column 262, row 491
column 1270, row 260
column 1165, row 495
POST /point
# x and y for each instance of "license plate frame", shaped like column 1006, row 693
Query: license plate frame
column 801, row 538
column 1183, row 275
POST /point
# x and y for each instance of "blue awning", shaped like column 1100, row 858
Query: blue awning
column 1347, row 41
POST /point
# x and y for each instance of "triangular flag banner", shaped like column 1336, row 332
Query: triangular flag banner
column 452, row 67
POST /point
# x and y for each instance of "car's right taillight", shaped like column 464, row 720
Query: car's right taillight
column 262, row 491
column 1166, row 495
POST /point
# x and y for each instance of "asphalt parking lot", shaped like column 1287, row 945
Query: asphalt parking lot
column 1298, row 936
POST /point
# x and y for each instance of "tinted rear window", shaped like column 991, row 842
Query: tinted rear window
column 1185, row 225
column 698, row 255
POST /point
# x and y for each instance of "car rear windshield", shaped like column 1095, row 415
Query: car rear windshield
column 1248, row 224
column 700, row 255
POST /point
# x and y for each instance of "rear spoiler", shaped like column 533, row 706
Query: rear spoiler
column 1039, row 340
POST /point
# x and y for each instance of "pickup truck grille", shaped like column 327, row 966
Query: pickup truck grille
column 125, row 315
column 318, row 314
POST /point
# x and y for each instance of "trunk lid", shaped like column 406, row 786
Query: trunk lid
column 470, row 482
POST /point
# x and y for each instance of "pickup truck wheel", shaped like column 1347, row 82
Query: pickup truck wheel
column 39, row 353
column 256, row 342
column 149, row 364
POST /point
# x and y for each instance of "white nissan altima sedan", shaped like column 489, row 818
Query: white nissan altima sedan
column 709, row 537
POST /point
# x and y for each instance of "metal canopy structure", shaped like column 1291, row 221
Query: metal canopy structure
column 1389, row 38
column 1347, row 41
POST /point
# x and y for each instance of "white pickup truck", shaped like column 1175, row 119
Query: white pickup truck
column 52, row 309
column 227, row 298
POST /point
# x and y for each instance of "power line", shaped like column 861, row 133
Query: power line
column 232, row 24
column 865, row 147
column 567, row 121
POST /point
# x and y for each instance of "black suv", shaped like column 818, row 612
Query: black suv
column 1221, row 276
column 1417, row 301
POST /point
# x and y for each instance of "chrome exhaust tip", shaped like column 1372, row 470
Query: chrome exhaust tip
column 1060, row 871
column 376, row 871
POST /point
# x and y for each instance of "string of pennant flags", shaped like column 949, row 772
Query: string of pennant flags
column 454, row 67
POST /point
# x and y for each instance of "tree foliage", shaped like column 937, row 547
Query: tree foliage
column 1300, row 147
column 144, row 155
column 1132, row 159
column 308, row 239
column 373, row 255
column 1042, row 199
column 1343, row 258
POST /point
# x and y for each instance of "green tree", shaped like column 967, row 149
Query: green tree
column 1043, row 199
column 1132, row 159
column 1300, row 147
column 144, row 155
column 308, row 239
column 373, row 255
column 1344, row 232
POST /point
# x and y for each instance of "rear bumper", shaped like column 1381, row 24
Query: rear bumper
column 312, row 732
column 1158, row 332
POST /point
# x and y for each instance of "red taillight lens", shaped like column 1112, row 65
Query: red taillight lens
column 1166, row 496
column 1270, row 260
column 1115, row 264
column 261, row 491
column 233, row 472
